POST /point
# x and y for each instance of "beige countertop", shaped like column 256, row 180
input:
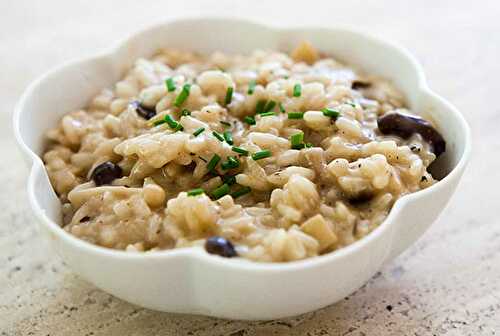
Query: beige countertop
column 446, row 284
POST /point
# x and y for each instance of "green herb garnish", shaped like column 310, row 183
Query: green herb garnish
column 220, row 191
column 213, row 162
column 297, row 90
column 269, row 106
column 259, row 108
column 330, row 113
column 240, row 150
column 229, row 95
column 282, row 108
column 185, row 112
column 241, row 192
column 170, row 84
column 229, row 179
column 261, row 155
column 199, row 131
column 249, row 120
column 159, row 122
column 295, row 115
column 251, row 87
column 267, row 114
column 225, row 123
column 231, row 163
column 219, row 136
column 228, row 137
column 172, row 123
column 297, row 140
column 181, row 98
column 195, row 192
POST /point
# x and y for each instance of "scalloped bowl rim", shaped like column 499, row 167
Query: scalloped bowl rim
column 38, row 167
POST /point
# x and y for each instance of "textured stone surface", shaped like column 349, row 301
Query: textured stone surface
column 446, row 284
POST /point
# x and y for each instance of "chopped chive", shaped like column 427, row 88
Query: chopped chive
column 261, row 155
column 231, row 163
column 352, row 104
column 269, row 106
column 309, row 145
column 299, row 146
column 240, row 150
column 229, row 179
column 259, row 108
column 213, row 162
column 195, row 192
column 229, row 95
column 251, row 87
column 234, row 161
column 219, row 136
column 282, row 108
column 228, row 137
column 297, row 140
column 225, row 123
column 181, row 98
column 159, row 122
column 241, row 192
column 330, row 113
column 172, row 123
column 267, row 114
column 185, row 112
column 297, row 90
column 295, row 115
column 199, row 131
column 249, row 120
column 220, row 191
column 170, row 84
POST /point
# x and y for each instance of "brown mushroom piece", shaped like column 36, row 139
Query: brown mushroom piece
column 105, row 173
column 220, row 246
column 143, row 111
column 405, row 126
column 360, row 198
column 360, row 84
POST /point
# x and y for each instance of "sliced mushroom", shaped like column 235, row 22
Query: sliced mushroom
column 360, row 198
column 405, row 126
column 360, row 84
column 105, row 173
column 143, row 111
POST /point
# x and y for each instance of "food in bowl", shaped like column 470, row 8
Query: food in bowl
column 266, row 156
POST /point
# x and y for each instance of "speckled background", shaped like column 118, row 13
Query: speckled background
column 446, row 284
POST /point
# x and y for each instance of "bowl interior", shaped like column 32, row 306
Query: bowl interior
column 73, row 85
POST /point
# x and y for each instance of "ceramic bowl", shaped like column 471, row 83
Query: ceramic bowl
column 189, row 280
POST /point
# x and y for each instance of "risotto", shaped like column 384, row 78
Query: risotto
column 268, row 156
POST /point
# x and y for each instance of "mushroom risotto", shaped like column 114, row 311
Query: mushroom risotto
column 267, row 156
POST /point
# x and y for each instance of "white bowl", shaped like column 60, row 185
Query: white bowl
column 189, row 280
